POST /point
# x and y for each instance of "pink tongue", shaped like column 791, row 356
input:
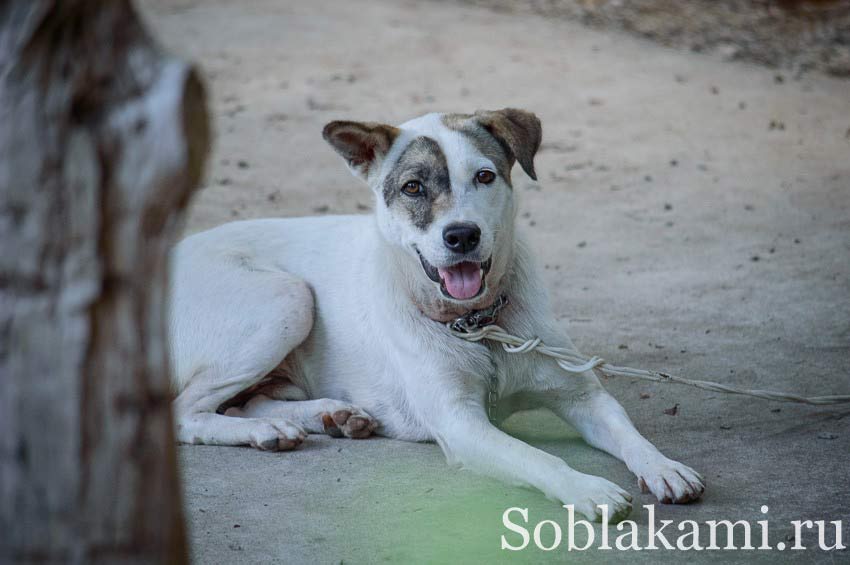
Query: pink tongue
column 463, row 281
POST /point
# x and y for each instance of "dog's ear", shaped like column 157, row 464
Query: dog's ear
column 361, row 144
column 518, row 131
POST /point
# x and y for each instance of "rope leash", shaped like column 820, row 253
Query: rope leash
column 481, row 325
column 572, row 361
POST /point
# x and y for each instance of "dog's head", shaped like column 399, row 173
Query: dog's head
column 444, row 195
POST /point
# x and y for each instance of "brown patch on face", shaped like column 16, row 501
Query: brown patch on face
column 483, row 141
column 422, row 161
column 456, row 122
column 517, row 132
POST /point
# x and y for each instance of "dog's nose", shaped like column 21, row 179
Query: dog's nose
column 462, row 237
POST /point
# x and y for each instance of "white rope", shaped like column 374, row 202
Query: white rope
column 572, row 361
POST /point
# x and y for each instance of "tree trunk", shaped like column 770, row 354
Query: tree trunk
column 102, row 140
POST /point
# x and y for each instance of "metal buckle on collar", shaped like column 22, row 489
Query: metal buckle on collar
column 477, row 319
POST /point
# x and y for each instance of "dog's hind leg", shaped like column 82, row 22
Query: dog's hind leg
column 198, row 422
column 322, row 416
column 229, row 331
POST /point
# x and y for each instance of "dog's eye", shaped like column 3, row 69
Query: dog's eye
column 413, row 188
column 485, row 176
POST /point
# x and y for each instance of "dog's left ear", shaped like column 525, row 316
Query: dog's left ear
column 361, row 144
column 518, row 131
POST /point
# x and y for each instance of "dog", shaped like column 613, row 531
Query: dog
column 337, row 325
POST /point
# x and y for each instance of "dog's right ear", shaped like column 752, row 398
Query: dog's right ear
column 361, row 144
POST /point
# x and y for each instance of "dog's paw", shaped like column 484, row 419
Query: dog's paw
column 671, row 482
column 276, row 435
column 591, row 492
column 351, row 422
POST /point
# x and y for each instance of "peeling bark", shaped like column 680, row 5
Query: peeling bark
column 102, row 140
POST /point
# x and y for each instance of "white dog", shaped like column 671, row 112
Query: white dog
column 336, row 325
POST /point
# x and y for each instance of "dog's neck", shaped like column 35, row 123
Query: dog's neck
column 425, row 295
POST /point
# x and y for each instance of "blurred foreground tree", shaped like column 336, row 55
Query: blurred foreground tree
column 102, row 140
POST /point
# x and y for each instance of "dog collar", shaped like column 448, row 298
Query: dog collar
column 477, row 319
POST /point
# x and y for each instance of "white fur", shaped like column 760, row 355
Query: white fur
column 330, row 305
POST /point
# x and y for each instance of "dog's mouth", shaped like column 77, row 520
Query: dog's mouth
column 461, row 281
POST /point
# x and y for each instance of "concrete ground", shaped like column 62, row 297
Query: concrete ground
column 692, row 216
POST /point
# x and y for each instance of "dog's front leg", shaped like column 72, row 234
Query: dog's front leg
column 604, row 424
column 468, row 438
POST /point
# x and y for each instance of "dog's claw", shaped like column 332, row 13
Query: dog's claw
column 341, row 416
column 357, row 424
column 354, row 424
column 282, row 436
column 330, row 426
column 672, row 483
